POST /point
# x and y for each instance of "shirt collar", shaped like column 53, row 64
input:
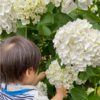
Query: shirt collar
column 16, row 87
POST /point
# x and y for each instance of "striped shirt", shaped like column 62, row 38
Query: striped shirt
column 19, row 92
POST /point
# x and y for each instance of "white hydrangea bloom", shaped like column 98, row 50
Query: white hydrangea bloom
column 94, row 9
column 59, row 77
column 68, row 6
column 7, row 17
column 30, row 9
column 78, row 44
column 85, row 3
column 56, row 2
column 42, row 98
column 42, row 88
column 97, row 15
column 89, row 90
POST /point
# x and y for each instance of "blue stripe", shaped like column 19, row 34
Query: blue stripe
column 14, row 93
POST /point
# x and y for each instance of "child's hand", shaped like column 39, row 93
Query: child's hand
column 41, row 76
column 62, row 91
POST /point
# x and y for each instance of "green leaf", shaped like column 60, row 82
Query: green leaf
column 99, row 10
column 96, row 71
column 83, row 76
column 89, row 71
column 78, row 94
column 51, row 37
column 34, row 37
column 53, row 27
column 5, row 36
column 45, row 31
column 95, row 79
column 92, row 17
column 98, row 90
column 41, row 67
column 21, row 32
column 62, row 19
column 47, row 18
column 50, row 7
column 51, row 48
column 59, row 61
column 73, row 15
column 93, row 97
column 96, row 26
column 49, row 61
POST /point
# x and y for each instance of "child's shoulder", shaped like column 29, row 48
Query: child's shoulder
column 22, row 91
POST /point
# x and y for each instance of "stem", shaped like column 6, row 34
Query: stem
column 95, row 89
column 54, row 32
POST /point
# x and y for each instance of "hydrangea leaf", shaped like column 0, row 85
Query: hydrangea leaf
column 21, row 32
column 49, row 61
column 89, row 71
column 45, row 31
column 78, row 94
column 46, row 19
column 98, row 90
column 99, row 10
column 92, row 17
column 5, row 36
column 50, row 7
column 62, row 19
column 51, row 48
column 95, row 79
column 93, row 97
column 59, row 61
column 83, row 76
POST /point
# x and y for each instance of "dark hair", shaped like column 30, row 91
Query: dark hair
column 17, row 54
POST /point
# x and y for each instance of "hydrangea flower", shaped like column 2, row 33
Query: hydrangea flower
column 68, row 6
column 77, row 43
column 56, row 2
column 89, row 90
column 59, row 77
column 85, row 3
column 30, row 9
column 42, row 88
column 8, row 21
column 94, row 9
column 97, row 15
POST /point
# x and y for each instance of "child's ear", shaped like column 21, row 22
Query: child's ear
column 28, row 72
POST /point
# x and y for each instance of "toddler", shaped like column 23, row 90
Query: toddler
column 19, row 62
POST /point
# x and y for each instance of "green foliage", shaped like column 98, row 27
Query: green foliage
column 5, row 36
column 49, row 61
column 59, row 61
column 21, row 32
column 62, row 19
column 95, row 79
column 79, row 94
column 45, row 31
column 93, row 97
column 83, row 76
column 47, row 19
column 51, row 48
column 50, row 7
column 89, row 71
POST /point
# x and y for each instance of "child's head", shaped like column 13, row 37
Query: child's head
column 19, row 60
